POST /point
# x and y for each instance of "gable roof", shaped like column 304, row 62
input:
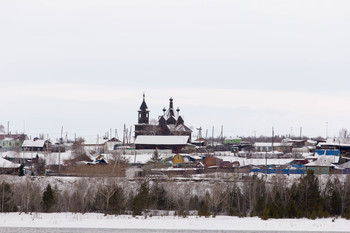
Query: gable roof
column 4, row 163
column 31, row 143
column 161, row 140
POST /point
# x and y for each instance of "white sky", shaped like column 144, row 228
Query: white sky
column 247, row 65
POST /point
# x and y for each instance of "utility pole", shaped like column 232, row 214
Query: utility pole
column 212, row 136
column 59, row 151
column 273, row 138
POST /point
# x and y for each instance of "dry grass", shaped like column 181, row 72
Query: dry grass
column 95, row 170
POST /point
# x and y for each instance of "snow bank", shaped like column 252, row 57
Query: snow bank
column 262, row 161
column 92, row 220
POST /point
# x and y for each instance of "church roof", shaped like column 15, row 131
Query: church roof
column 179, row 128
column 143, row 106
column 171, row 112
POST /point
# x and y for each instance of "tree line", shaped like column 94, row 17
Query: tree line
column 256, row 196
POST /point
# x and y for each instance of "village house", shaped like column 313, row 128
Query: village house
column 179, row 160
column 36, row 145
column 284, row 147
column 11, row 141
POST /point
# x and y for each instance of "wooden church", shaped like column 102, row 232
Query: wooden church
column 171, row 123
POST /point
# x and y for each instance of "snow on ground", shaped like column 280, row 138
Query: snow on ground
column 94, row 220
column 246, row 161
column 142, row 158
column 50, row 158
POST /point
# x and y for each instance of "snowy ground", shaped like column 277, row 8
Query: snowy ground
column 70, row 220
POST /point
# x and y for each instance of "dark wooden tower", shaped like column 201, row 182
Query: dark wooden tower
column 143, row 116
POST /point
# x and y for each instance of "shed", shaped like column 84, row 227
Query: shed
column 212, row 161
column 133, row 172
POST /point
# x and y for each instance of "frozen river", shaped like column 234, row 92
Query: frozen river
column 99, row 230
column 94, row 222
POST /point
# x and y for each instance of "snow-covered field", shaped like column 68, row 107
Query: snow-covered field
column 92, row 220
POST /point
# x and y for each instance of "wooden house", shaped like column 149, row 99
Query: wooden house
column 8, row 167
column 36, row 145
column 186, row 160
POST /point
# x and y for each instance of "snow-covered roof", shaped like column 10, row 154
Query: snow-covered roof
column 331, row 143
column 324, row 160
column 4, row 163
column 344, row 165
column 95, row 141
column 262, row 161
column 266, row 144
column 161, row 140
column 31, row 143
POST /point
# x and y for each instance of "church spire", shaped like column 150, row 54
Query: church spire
column 171, row 107
column 143, row 113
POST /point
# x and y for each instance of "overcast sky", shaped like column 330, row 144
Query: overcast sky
column 247, row 65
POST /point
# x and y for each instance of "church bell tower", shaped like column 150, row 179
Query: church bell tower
column 143, row 112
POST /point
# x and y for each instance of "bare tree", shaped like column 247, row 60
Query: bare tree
column 107, row 189
column 83, row 196
column 219, row 194
column 28, row 195
column 2, row 129
column 344, row 136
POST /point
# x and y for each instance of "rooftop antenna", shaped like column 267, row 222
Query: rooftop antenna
column 199, row 133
